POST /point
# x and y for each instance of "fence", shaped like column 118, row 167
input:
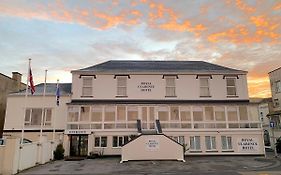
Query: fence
column 15, row 157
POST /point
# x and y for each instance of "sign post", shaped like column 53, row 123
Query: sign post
column 272, row 126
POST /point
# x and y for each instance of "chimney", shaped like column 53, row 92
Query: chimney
column 17, row 78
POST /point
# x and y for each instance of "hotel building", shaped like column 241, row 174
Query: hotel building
column 203, row 106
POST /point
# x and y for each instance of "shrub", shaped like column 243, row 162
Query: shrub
column 59, row 152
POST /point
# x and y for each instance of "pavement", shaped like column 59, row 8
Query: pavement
column 194, row 165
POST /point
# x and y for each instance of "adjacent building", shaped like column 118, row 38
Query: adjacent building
column 8, row 85
column 275, row 115
column 203, row 106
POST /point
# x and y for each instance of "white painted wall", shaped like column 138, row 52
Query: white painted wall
column 275, row 76
column 15, row 110
column 187, row 87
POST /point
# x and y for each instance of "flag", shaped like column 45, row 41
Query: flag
column 58, row 95
column 32, row 87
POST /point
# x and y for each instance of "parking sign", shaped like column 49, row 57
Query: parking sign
column 272, row 124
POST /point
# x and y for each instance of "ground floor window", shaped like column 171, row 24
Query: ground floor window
column 210, row 142
column 226, row 142
column 119, row 141
column 195, row 143
column 179, row 139
column 101, row 141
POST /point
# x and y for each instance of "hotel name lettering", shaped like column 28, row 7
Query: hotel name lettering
column 146, row 86
column 248, row 144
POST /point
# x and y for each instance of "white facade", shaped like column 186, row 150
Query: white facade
column 206, row 109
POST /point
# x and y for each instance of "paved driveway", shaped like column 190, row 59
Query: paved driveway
column 211, row 165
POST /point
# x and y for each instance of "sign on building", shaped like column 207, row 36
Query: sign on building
column 152, row 144
column 248, row 144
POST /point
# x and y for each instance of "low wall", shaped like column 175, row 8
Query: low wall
column 15, row 157
column 28, row 156
column 152, row 147
column 2, row 147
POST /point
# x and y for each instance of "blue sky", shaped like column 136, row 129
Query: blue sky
column 63, row 35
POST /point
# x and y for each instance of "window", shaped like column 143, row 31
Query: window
column 219, row 113
column 210, row 142
column 170, row 86
column 204, row 87
column 85, row 113
column 33, row 117
column 197, row 113
column 121, row 86
column 185, row 113
column 96, row 114
column 195, row 143
column 119, row 141
column 276, row 102
column 243, row 113
column 232, row 113
column 48, row 117
column 87, row 86
column 109, row 114
column 231, row 87
column 278, row 87
column 174, row 112
column 209, row 113
column 121, row 113
column 226, row 142
column 100, row 141
column 179, row 139
column 163, row 114
column 73, row 114
column 132, row 113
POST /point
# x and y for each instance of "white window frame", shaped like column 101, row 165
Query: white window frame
column 171, row 87
column 195, row 147
column 213, row 143
column 85, row 86
column 204, row 86
column 119, row 145
column 229, row 147
column 120, row 86
column 100, row 139
column 231, row 86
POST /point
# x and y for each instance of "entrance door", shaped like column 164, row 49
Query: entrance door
column 78, row 145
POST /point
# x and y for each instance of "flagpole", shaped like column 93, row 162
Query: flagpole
column 55, row 116
column 25, row 101
column 43, row 110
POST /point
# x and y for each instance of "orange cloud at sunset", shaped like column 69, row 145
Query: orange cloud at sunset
column 259, row 87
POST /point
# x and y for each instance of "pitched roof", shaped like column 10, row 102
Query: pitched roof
column 65, row 89
column 158, row 66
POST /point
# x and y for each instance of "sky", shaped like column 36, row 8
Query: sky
column 61, row 36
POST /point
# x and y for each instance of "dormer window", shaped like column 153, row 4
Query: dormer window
column 87, row 88
column 231, row 87
column 121, row 86
column 204, row 87
column 170, row 85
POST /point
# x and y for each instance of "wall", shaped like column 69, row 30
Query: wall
column 236, row 134
column 15, row 110
column 187, row 87
column 7, row 86
column 275, row 76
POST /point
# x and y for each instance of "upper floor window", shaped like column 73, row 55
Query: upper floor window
column 231, row 87
column 204, row 87
column 170, row 86
column 277, row 86
column 34, row 116
column 121, row 85
column 87, row 89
